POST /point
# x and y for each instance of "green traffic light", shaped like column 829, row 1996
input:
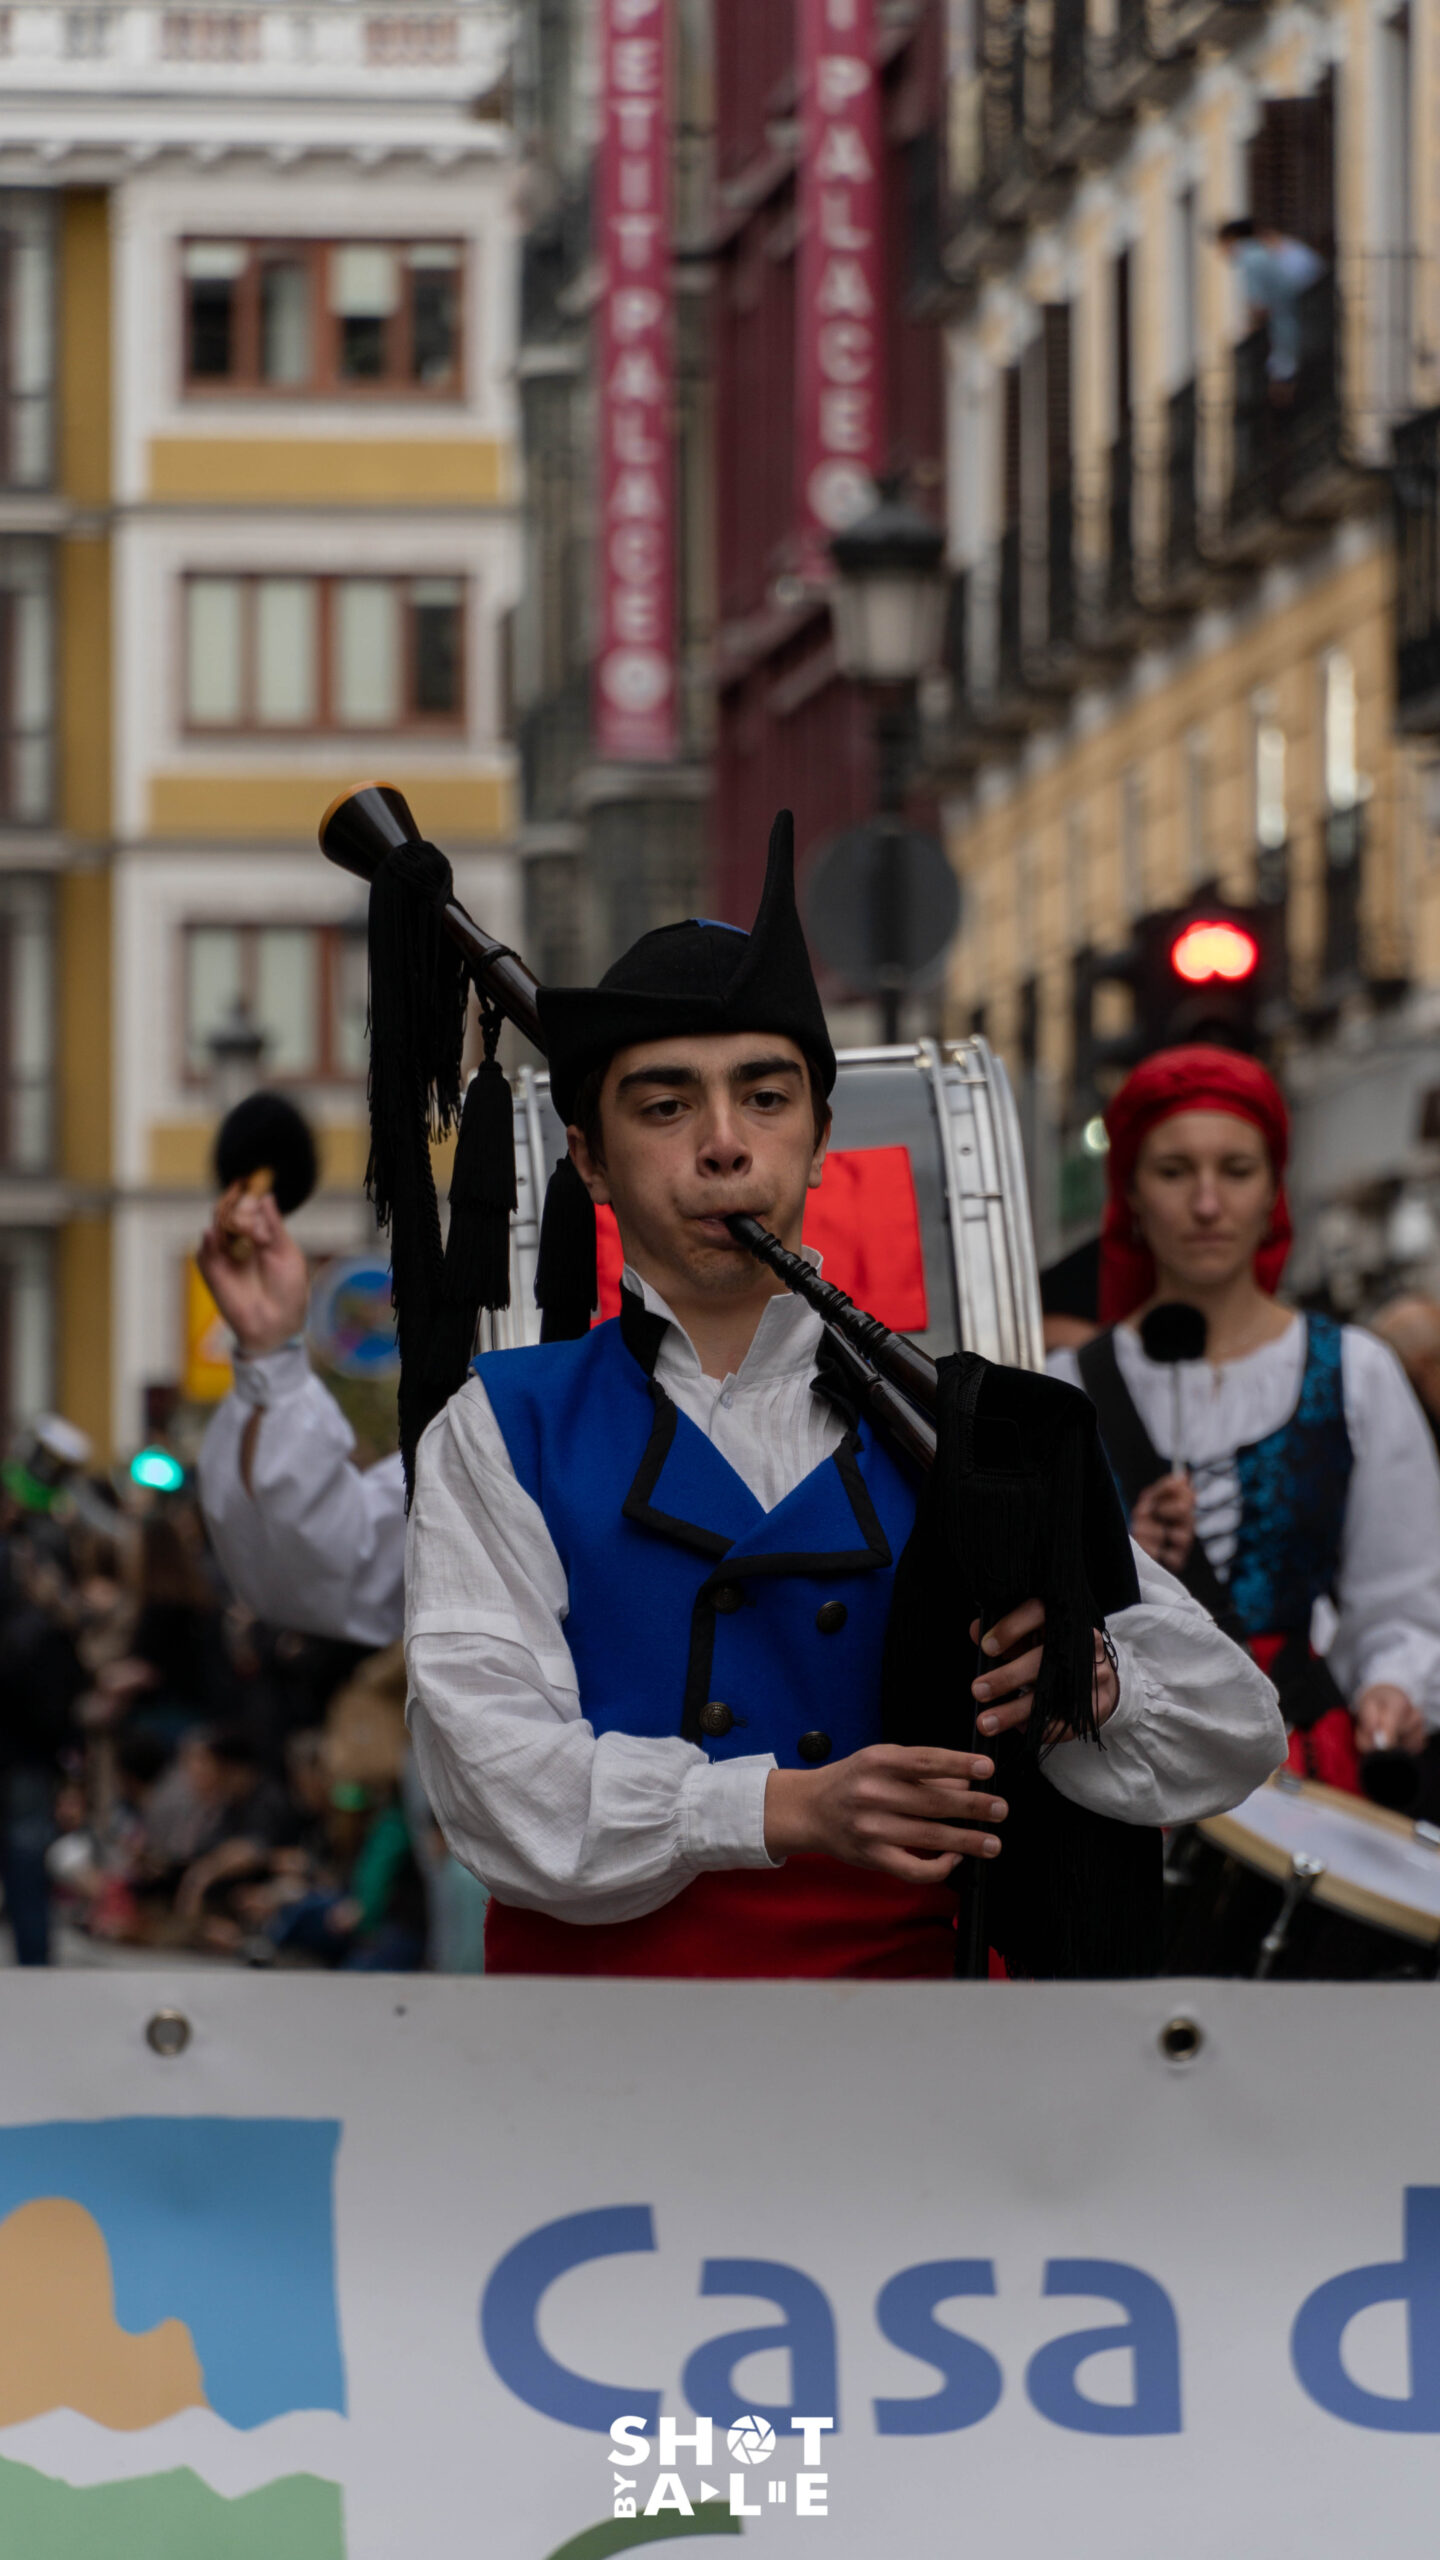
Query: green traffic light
column 157, row 1471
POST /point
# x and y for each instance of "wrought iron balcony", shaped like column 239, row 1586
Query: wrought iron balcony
column 1010, row 643
column 1306, row 450
column 1182, row 467
column 964, row 735
column 553, row 254
column 1344, row 868
column 1120, row 600
column 1415, row 481
column 1060, row 597
column 1123, row 59
column 1070, row 99
column 1189, row 570
column 1053, row 92
column 1287, row 432
column 955, row 652
column 951, row 741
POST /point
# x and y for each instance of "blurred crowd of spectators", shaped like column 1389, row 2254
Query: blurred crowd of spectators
column 175, row 1775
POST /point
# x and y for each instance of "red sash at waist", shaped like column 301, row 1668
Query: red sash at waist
column 813, row 1917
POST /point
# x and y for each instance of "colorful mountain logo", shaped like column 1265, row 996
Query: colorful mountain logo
column 168, row 2516
column 151, row 2265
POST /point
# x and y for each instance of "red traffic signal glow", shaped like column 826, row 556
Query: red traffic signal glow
column 1213, row 948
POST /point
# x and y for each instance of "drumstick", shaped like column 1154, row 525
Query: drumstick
column 1171, row 1333
column 255, row 1186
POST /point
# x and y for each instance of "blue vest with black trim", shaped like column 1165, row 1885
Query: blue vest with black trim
column 684, row 1594
column 1294, row 1486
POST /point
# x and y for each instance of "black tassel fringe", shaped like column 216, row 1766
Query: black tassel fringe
column 476, row 1269
column 566, row 1280
column 418, row 996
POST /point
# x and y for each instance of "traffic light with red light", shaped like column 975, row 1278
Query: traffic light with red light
column 1207, row 971
column 1213, row 949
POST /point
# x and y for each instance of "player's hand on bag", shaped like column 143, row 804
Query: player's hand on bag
column 1015, row 1645
column 889, row 1807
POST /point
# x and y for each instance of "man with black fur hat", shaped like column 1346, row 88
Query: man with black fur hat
column 650, row 1568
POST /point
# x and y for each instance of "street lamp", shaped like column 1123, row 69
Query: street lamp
column 888, row 601
column 236, row 1045
column 887, row 609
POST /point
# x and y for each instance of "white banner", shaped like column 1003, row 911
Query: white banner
column 372, row 2268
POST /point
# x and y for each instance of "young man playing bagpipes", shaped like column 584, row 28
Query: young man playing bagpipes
column 692, row 1650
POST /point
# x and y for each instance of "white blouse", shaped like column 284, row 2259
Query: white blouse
column 1386, row 1619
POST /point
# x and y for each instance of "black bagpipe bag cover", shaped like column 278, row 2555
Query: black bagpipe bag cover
column 1021, row 1505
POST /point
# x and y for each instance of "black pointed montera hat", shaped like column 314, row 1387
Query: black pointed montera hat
column 696, row 977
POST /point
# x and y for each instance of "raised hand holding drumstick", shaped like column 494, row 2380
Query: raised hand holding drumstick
column 265, row 1164
column 262, row 1295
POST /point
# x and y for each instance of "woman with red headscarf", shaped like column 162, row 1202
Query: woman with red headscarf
column 1283, row 1461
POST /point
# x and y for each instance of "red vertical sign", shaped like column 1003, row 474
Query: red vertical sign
column 841, row 330
column 635, row 710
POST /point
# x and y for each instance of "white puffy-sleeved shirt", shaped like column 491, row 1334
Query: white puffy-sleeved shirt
column 1387, row 1597
column 607, row 1829
column 312, row 1543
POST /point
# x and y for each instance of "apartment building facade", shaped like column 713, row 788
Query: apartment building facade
column 790, row 728
column 1172, row 651
column 615, row 842
column 614, row 836
column 259, row 536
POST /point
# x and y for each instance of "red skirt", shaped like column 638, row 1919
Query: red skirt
column 1325, row 1749
column 813, row 1918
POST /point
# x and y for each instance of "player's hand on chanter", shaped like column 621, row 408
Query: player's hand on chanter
column 1163, row 1521
column 1016, row 1647
column 889, row 1807
column 264, row 1298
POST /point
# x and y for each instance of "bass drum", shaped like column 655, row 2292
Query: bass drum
column 941, row 1226
column 1303, row 1884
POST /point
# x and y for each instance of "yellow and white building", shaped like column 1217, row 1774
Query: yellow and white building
column 1172, row 655
column 258, row 538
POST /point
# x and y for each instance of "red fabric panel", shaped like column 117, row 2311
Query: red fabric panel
column 864, row 1221
column 609, row 1262
column 811, row 1918
column 1327, row 1751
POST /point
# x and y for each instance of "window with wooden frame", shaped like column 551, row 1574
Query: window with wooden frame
column 27, row 339
column 27, row 681
column 326, row 319
column 295, row 654
column 27, row 1023
column 301, row 986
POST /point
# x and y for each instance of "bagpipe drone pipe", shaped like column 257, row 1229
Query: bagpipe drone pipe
column 1015, row 1499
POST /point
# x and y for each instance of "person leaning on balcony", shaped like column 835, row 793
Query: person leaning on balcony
column 1305, row 1469
column 1275, row 271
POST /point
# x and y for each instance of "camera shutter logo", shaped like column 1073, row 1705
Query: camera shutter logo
column 751, row 2440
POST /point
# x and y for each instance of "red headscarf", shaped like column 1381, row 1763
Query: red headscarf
column 1192, row 1079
